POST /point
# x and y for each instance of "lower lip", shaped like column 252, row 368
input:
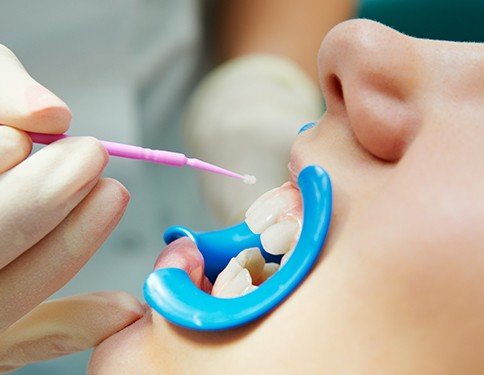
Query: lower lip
column 183, row 254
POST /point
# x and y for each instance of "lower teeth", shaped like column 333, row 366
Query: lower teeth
column 243, row 274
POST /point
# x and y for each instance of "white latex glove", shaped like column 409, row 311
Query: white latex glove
column 244, row 116
column 55, row 212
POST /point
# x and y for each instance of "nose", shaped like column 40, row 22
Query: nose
column 369, row 74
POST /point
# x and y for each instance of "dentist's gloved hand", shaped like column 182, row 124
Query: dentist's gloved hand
column 244, row 116
column 55, row 212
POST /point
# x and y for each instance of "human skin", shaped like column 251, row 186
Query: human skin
column 399, row 287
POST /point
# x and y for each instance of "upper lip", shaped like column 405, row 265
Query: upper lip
column 294, row 169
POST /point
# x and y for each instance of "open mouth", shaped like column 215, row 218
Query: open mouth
column 276, row 216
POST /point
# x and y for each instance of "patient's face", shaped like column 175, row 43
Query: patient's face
column 400, row 286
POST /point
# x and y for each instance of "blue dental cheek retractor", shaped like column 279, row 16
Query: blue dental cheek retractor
column 172, row 294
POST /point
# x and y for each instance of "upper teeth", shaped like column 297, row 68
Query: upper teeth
column 276, row 216
column 280, row 237
column 242, row 274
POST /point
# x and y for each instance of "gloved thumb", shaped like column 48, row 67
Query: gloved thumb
column 65, row 326
column 24, row 103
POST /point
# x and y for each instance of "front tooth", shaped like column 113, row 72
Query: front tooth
column 253, row 261
column 238, row 286
column 263, row 198
column 266, row 214
column 279, row 238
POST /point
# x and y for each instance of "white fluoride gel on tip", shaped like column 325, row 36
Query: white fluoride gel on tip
column 249, row 180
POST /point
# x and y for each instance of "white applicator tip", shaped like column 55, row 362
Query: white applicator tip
column 249, row 180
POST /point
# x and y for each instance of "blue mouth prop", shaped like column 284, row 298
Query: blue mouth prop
column 171, row 293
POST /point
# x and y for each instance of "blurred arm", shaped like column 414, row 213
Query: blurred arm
column 288, row 28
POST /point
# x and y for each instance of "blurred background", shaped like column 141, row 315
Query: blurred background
column 126, row 69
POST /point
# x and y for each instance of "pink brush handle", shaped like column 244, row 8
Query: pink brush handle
column 125, row 151
column 155, row 156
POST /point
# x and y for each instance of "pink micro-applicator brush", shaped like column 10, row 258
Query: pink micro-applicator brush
column 173, row 159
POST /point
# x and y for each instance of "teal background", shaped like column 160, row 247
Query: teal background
column 461, row 21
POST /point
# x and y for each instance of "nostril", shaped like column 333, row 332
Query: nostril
column 336, row 86
column 334, row 94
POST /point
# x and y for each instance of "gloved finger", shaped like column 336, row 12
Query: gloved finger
column 58, row 257
column 38, row 194
column 65, row 326
column 15, row 146
column 24, row 103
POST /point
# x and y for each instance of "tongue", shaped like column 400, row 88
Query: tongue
column 183, row 254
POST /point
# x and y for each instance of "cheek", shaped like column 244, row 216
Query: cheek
column 413, row 261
